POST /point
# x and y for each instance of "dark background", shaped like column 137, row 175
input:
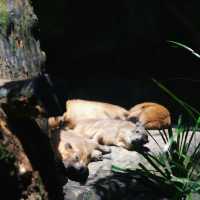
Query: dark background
column 122, row 35
column 109, row 50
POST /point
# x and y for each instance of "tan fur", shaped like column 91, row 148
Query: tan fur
column 151, row 115
column 111, row 132
column 80, row 148
column 55, row 122
column 75, row 151
column 77, row 110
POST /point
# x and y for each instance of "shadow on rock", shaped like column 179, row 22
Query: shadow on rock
column 129, row 186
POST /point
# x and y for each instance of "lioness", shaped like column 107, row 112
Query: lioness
column 151, row 115
column 76, row 152
column 77, row 110
column 112, row 132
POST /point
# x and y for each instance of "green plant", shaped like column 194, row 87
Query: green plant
column 178, row 163
column 178, row 44
column 174, row 166
column 193, row 112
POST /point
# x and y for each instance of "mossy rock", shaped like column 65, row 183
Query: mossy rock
column 20, row 53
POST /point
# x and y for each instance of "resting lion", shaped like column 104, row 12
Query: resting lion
column 78, row 110
column 76, row 152
column 112, row 132
column 151, row 115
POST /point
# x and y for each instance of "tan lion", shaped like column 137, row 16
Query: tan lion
column 76, row 152
column 151, row 115
column 112, row 132
column 78, row 110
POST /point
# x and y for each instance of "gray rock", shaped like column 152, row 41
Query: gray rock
column 103, row 184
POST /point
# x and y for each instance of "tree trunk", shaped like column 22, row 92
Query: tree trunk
column 25, row 149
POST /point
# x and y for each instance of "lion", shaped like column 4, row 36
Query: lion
column 77, row 110
column 76, row 152
column 151, row 115
column 112, row 132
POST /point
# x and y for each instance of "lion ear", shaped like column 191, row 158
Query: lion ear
column 68, row 146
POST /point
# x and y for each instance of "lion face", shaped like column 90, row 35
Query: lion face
column 75, row 161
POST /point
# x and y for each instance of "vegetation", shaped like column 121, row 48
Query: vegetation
column 177, row 166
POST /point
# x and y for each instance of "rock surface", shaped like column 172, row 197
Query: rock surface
column 104, row 184
column 20, row 54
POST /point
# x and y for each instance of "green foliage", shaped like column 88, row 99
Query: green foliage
column 193, row 112
column 178, row 44
column 178, row 163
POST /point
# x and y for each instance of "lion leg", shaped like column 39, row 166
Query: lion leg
column 104, row 149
